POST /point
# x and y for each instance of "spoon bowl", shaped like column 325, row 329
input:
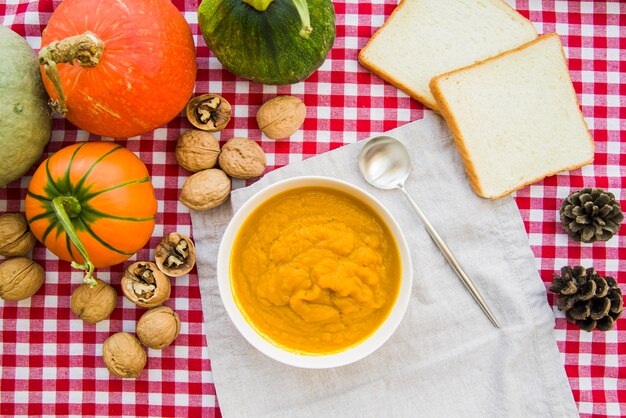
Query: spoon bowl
column 385, row 163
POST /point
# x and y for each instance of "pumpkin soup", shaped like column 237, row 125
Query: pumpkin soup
column 315, row 270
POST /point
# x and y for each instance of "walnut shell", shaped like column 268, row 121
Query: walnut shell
column 197, row 150
column 242, row 158
column 205, row 190
column 20, row 278
column 158, row 327
column 281, row 116
column 145, row 285
column 175, row 255
column 123, row 355
column 209, row 112
column 15, row 237
column 93, row 304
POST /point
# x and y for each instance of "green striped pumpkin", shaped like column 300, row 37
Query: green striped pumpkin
column 92, row 203
column 269, row 41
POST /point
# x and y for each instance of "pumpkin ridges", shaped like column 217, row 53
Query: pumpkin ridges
column 112, row 202
column 103, row 257
column 49, row 229
column 56, row 166
column 105, row 228
column 105, row 173
column 85, row 175
column 119, row 218
column 102, row 242
column 38, row 183
column 63, row 182
column 43, row 215
column 40, row 198
column 66, row 177
column 87, row 197
column 56, row 245
column 51, row 181
column 33, row 208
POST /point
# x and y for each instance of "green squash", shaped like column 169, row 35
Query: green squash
column 25, row 122
column 269, row 41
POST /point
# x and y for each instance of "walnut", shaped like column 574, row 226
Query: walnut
column 175, row 255
column 20, row 278
column 205, row 190
column 209, row 112
column 123, row 355
column 15, row 237
column 281, row 116
column 197, row 150
column 145, row 285
column 158, row 327
column 242, row 158
column 93, row 304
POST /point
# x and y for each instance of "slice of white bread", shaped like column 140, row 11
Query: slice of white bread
column 425, row 38
column 515, row 117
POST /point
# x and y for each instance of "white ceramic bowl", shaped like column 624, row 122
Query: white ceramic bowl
column 321, row 361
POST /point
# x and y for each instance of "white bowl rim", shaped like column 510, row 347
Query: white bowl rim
column 352, row 354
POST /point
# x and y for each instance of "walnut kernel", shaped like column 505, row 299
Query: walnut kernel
column 209, row 112
column 93, row 304
column 158, row 327
column 145, row 285
column 20, row 278
column 123, row 355
column 15, row 236
column 281, row 116
column 205, row 189
column 242, row 158
column 175, row 255
column 197, row 150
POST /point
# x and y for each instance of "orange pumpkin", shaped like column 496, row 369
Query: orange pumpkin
column 118, row 68
column 92, row 203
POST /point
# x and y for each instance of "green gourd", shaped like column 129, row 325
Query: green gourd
column 25, row 122
column 269, row 41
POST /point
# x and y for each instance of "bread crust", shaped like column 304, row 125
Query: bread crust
column 453, row 125
column 398, row 84
column 386, row 76
column 451, row 121
column 433, row 105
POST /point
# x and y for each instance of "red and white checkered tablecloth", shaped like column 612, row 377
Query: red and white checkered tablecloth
column 50, row 361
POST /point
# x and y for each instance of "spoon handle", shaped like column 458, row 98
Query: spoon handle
column 452, row 260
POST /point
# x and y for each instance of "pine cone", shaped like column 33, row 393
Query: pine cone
column 588, row 299
column 590, row 215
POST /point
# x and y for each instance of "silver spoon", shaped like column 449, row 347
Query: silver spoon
column 385, row 163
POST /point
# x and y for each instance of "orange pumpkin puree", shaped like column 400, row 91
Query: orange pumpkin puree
column 315, row 270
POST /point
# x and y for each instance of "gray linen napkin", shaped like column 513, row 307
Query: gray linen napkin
column 445, row 358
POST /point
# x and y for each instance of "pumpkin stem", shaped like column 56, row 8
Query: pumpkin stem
column 301, row 6
column 303, row 10
column 66, row 208
column 86, row 49
column 260, row 5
